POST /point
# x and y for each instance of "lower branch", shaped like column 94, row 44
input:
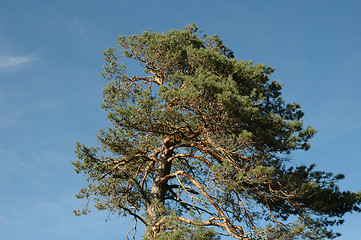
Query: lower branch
column 133, row 229
column 236, row 231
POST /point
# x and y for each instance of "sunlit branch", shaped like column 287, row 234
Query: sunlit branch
column 187, row 205
column 203, row 148
column 230, row 228
column 135, row 230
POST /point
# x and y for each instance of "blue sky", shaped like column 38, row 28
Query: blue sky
column 50, row 92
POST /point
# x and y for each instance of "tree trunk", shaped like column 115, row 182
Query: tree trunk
column 159, row 189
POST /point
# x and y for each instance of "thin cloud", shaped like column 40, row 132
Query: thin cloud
column 14, row 61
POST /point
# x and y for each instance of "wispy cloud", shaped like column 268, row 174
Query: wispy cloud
column 14, row 61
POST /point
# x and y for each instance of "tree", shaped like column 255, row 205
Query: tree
column 200, row 142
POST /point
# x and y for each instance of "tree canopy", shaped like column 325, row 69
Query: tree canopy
column 200, row 146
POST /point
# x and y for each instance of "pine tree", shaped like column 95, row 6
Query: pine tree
column 200, row 142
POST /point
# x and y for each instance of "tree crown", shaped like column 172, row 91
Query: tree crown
column 201, row 131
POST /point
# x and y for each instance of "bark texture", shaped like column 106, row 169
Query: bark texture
column 155, row 210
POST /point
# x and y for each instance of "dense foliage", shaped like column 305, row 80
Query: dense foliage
column 200, row 144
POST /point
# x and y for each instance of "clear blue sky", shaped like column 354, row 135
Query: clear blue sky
column 50, row 92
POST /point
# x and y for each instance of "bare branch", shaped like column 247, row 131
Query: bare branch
column 135, row 230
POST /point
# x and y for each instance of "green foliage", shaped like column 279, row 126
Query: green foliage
column 177, row 230
column 184, row 232
column 202, row 131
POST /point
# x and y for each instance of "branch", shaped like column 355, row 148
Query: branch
column 183, row 145
column 186, row 188
column 245, row 212
column 187, row 205
column 133, row 214
column 125, row 161
column 235, row 231
column 147, row 202
column 209, row 164
column 133, row 228
column 209, row 222
column 218, row 157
